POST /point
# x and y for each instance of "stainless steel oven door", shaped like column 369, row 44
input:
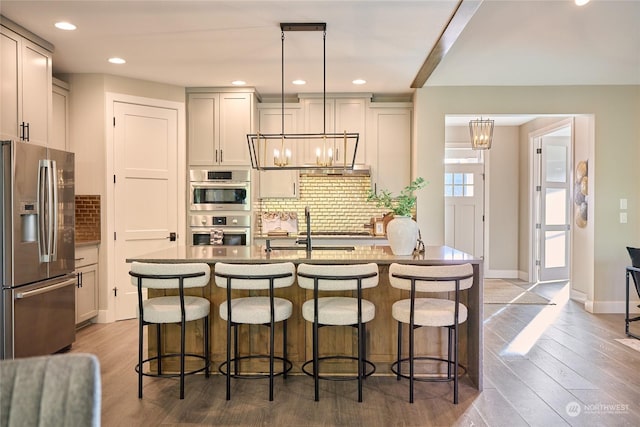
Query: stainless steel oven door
column 230, row 196
column 231, row 236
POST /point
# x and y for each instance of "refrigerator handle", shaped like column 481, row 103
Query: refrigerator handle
column 48, row 210
column 42, row 213
column 53, row 210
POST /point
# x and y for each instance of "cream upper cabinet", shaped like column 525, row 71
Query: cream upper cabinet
column 389, row 140
column 60, row 116
column 281, row 184
column 25, row 89
column 218, row 124
column 340, row 115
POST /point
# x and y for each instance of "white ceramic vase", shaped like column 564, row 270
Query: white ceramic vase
column 402, row 233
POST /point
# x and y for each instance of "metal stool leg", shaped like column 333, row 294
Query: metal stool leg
column 206, row 346
column 316, row 363
column 399, row 350
column 182, row 338
column 449, row 346
column 271, row 360
column 159, row 352
column 284, row 349
column 140, row 335
column 360, row 364
column 411, row 357
column 455, row 364
column 228, row 359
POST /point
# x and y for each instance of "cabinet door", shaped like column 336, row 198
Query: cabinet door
column 350, row 116
column 36, row 92
column 392, row 137
column 60, row 119
column 87, row 293
column 9, row 70
column 282, row 184
column 235, row 124
column 204, row 120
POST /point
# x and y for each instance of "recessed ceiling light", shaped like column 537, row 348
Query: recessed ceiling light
column 359, row 81
column 65, row 26
column 299, row 82
column 581, row 2
column 238, row 83
column 117, row 60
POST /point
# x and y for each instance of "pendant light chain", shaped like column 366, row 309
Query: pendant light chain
column 282, row 86
column 324, row 82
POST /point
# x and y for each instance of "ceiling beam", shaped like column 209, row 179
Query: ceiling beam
column 459, row 19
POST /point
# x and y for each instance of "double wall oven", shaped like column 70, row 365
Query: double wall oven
column 219, row 207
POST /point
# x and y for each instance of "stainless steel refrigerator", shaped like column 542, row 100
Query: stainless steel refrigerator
column 37, row 302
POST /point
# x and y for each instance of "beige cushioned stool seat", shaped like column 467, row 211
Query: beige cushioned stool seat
column 429, row 312
column 339, row 311
column 167, row 309
column 256, row 311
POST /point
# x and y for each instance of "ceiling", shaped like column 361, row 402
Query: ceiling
column 211, row 43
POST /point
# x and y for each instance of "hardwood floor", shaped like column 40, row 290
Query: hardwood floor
column 574, row 373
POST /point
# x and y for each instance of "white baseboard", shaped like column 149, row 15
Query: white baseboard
column 105, row 316
column 610, row 307
column 578, row 296
column 501, row 274
column 523, row 275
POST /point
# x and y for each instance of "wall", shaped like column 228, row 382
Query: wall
column 87, row 124
column 502, row 201
column 337, row 203
column 612, row 162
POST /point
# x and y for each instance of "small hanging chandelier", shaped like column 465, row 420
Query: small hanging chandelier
column 481, row 132
column 338, row 149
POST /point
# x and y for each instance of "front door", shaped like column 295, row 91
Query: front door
column 145, row 191
column 553, row 152
column 464, row 208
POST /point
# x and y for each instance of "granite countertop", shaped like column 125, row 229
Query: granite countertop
column 328, row 236
column 256, row 254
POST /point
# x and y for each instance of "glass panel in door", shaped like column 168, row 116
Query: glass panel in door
column 554, row 207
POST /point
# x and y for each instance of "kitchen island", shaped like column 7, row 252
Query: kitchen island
column 382, row 331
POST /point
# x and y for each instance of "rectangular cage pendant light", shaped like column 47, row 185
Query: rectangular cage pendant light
column 310, row 151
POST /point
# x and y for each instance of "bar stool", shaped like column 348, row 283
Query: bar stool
column 336, row 311
column 437, row 312
column 180, row 308
column 255, row 310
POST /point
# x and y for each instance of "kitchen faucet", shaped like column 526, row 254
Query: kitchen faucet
column 307, row 241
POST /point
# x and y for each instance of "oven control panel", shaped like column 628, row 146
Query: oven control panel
column 220, row 221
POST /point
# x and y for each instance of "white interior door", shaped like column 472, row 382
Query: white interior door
column 145, row 191
column 464, row 208
column 554, row 205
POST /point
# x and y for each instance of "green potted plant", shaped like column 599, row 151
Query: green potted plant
column 402, row 230
column 401, row 205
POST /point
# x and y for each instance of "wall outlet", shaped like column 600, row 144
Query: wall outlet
column 623, row 204
column 623, row 217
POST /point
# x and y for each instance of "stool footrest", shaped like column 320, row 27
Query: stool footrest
column 253, row 376
column 173, row 355
column 430, row 377
column 348, row 377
